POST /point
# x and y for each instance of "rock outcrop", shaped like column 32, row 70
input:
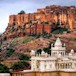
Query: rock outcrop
column 44, row 20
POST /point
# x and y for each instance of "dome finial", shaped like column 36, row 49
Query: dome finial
column 58, row 42
column 32, row 52
column 64, row 45
column 52, row 45
column 72, row 51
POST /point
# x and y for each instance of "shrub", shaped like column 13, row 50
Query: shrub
column 23, row 28
column 38, row 35
column 44, row 22
column 33, row 35
column 9, row 51
column 47, row 50
column 39, row 51
column 27, row 39
column 12, row 29
column 0, row 35
column 24, row 57
column 0, row 44
column 3, row 69
column 59, row 30
column 21, row 12
column 20, row 65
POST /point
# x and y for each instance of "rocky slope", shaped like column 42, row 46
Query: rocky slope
column 27, row 43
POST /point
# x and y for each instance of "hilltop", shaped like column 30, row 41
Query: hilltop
column 43, row 20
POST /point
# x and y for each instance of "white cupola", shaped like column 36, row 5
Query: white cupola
column 64, row 45
column 42, row 53
column 58, row 48
column 58, row 43
column 32, row 52
column 51, row 45
column 72, row 51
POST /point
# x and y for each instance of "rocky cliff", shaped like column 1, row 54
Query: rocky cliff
column 44, row 20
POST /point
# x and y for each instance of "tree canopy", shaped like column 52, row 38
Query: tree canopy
column 24, row 57
column 47, row 50
column 9, row 51
column 20, row 65
column 3, row 69
column 22, row 12
column 39, row 51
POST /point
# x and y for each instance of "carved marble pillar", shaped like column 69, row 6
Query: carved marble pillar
column 42, row 66
column 47, row 66
column 33, row 65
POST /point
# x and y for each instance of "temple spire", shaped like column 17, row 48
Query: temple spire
column 58, row 42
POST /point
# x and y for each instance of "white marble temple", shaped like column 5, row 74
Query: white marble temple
column 57, row 61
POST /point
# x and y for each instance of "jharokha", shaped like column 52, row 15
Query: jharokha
column 44, row 20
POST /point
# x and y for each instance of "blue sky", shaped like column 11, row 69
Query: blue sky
column 9, row 7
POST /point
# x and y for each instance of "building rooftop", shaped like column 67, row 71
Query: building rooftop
column 58, row 42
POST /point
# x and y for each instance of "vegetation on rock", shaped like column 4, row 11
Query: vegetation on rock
column 27, row 39
column 12, row 29
column 0, row 44
column 20, row 65
column 47, row 50
column 39, row 51
column 59, row 30
column 3, row 69
column 9, row 51
column 24, row 57
column 22, row 12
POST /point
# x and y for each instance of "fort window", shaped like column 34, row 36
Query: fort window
column 14, row 19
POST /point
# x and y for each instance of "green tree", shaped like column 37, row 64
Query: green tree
column 39, row 51
column 38, row 35
column 46, row 22
column 59, row 30
column 22, row 12
column 27, row 39
column 0, row 44
column 9, row 51
column 19, row 27
column 3, row 69
column 47, row 50
column 44, row 35
column 20, row 65
column 0, row 35
column 24, row 57
column 12, row 29
column 24, row 27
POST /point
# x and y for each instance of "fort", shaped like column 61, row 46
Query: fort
column 43, row 20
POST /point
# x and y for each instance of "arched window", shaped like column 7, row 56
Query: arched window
column 66, row 66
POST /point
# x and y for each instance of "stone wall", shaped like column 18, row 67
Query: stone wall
column 44, row 74
column 66, row 15
column 39, row 28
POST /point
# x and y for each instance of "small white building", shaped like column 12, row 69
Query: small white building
column 57, row 61
column 5, row 74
